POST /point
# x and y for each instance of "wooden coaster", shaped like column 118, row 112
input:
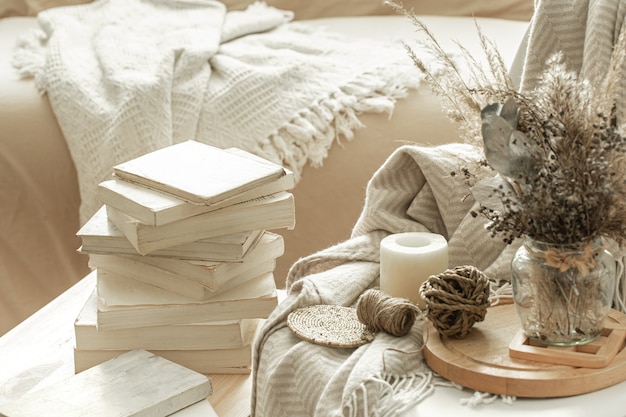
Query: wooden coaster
column 481, row 361
column 596, row 354
column 329, row 325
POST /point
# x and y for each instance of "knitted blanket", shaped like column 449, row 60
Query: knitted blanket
column 125, row 77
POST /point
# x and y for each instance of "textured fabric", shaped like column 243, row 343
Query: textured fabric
column 413, row 191
column 583, row 30
column 126, row 77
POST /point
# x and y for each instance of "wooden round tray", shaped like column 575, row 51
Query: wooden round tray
column 481, row 361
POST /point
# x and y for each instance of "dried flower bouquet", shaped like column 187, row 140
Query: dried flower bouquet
column 554, row 156
column 553, row 172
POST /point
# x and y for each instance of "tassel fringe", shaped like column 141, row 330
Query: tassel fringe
column 309, row 136
column 482, row 398
column 30, row 56
column 396, row 395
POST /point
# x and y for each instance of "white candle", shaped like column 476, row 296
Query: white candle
column 407, row 260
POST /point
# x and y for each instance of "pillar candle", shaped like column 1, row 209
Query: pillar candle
column 407, row 260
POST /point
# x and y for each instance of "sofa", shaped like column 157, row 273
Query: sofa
column 39, row 186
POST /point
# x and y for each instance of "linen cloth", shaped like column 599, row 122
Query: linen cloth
column 585, row 31
column 126, row 77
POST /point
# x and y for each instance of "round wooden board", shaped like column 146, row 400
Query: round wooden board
column 481, row 361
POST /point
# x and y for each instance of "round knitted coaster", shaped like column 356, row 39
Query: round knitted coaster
column 329, row 325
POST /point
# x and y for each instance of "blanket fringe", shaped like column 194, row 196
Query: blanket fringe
column 481, row 398
column 309, row 136
column 396, row 395
column 500, row 292
column 29, row 58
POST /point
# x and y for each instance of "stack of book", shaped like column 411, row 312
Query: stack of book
column 183, row 257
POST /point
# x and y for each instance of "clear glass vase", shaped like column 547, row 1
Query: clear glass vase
column 563, row 293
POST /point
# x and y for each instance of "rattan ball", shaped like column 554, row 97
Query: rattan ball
column 456, row 299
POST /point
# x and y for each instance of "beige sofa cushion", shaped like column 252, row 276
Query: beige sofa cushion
column 507, row 9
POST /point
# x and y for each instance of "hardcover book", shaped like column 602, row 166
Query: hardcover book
column 195, row 279
column 155, row 208
column 136, row 383
column 275, row 211
column 99, row 235
column 227, row 334
column 256, row 298
column 197, row 172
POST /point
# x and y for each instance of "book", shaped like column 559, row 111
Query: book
column 227, row 334
column 195, row 279
column 155, row 208
column 274, row 211
column 197, row 172
column 256, row 298
column 136, row 383
column 201, row 408
column 206, row 362
column 99, row 235
column 117, row 288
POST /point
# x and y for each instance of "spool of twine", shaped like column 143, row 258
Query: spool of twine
column 379, row 311
column 456, row 299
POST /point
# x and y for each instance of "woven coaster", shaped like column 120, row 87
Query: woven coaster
column 329, row 325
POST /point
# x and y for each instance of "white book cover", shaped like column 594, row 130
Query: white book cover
column 99, row 235
column 199, row 409
column 156, row 208
column 113, row 283
column 197, row 172
column 275, row 211
column 256, row 298
column 119, row 291
column 195, row 279
column 137, row 383
column 226, row 334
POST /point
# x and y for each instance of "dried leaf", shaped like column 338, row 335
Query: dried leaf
column 521, row 154
column 510, row 112
column 494, row 193
column 496, row 132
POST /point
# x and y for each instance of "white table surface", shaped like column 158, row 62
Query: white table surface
column 608, row 402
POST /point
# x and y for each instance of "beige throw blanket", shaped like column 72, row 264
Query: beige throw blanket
column 583, row 30
column 413, row 191
column 125, row 77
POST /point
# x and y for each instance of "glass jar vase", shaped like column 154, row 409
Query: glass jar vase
column 563, row 293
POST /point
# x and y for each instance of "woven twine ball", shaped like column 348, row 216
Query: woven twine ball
column 456, row 299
